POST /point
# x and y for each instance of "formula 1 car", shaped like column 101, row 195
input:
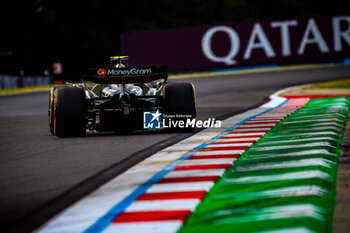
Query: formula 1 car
column 120, row 98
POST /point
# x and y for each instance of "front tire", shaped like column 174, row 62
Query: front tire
column 69, row 112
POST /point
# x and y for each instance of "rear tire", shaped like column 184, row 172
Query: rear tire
column 69, row 112
column 52, row 97
column 180, row 99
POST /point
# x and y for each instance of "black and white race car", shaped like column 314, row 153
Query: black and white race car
column 120, row 98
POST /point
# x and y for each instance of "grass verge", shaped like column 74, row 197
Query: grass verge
column 338, row 84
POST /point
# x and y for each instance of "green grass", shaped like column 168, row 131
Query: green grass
column 338, row 84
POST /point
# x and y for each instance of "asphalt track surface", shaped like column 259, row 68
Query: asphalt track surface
column 41, row 174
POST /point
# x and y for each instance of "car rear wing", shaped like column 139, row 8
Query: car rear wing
column 126, row 75
column 119, row 58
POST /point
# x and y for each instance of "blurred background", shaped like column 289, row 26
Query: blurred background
column 35, row 34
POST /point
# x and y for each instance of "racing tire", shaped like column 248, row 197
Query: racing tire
column 180, row 101
column 69, row 112
column 51, row 109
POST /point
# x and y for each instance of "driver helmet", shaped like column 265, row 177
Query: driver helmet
column 119, row 65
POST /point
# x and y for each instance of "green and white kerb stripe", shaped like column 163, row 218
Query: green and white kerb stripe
column 285, row 182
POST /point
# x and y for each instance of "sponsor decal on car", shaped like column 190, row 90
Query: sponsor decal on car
column 123, row 72
column 101, row 72
column 133, row 71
